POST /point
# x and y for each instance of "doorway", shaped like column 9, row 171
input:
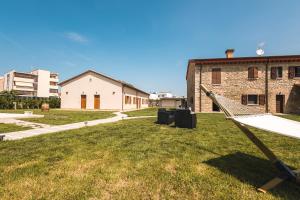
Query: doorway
column 97, row 102
column 83, row 101
column 279, row 103
column 138, row 103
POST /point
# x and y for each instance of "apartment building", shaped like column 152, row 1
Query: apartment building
column 269, row 83
column 38, row 83
column 1, row 83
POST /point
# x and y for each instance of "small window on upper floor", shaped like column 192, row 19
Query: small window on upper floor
column 276, row 72
column 252, row 73
column 216, row 76
column 294, row 72
column 297, row 71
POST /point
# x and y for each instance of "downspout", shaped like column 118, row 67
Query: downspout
column 200, row 106
column 136, row 100
column 267, row 86
column 122, row 97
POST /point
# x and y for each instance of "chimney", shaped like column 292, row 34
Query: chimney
column 229, row 53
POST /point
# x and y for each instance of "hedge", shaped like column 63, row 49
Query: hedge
column 10, row 100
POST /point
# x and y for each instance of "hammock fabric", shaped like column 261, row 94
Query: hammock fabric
column 271, row 123
column 244, row 116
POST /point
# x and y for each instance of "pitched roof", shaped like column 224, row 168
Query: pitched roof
column 239, row 60
column 99, row 74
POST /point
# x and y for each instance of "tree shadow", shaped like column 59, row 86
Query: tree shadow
column 254, row 171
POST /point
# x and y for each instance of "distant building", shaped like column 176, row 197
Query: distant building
column 165, row 95
column 173, row 102
column 166, row 100
column 38, row 83
column 1, row 83
column 92, row 90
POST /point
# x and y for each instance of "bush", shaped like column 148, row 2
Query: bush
column 8, row 99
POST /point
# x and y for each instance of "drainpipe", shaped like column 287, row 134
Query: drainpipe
column 267, row 86
column 122, row 97
column 200, row 104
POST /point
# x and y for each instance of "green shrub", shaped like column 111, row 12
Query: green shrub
column 8, row 100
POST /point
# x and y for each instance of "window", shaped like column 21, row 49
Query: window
column 127, row 100
column 134, row 100
column 53, row 91
column 53, row 83
column 276, row 72
column 297, row 71
column 294, row 72
column 215, row 107
column 253, row 99
column 216, row 76
column 252, row 73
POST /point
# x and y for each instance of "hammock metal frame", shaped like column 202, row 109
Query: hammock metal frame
column 285, row 172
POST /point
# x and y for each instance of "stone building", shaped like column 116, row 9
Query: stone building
column 270, row 83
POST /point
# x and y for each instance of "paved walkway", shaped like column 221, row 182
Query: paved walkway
column 23, row 123
column 52, row 129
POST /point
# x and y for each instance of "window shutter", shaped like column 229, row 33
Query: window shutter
column 244, row 99
column 255, row 72
column 216, row 76
column 262, row 99
column 219, row 76
column 250, row 72
column 273, row 73
column 291, row 72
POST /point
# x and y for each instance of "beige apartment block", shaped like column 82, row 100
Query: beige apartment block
column 38, row 83
column 1, row 84
column 92, row 90
column 269, row 83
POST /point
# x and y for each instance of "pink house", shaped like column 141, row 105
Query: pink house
column 92, row 90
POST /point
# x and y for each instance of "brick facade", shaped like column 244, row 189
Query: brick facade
column 235, row 82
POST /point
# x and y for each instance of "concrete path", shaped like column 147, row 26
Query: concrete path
column 52, row 129
column 23, row 123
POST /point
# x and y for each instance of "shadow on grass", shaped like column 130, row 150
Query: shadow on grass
column 254, row 171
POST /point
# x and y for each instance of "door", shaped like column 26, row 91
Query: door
column 279, row 103
column 138, row 103
column 96, row 101
column 83, row 101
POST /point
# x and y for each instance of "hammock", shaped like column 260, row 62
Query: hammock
column 253, row 117
column 244, row 116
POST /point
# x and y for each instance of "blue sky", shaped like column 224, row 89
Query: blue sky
column 146, row 43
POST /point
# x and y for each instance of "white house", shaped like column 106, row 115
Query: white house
column 92, row 90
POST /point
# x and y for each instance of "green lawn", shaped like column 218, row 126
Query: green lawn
column 139, row 159
column 142, row 112
column 4, row 128
column 59, row 117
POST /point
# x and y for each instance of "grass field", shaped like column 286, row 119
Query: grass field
column 59, row 117
column 5, row 128
column 143, row 112
column 138, row 159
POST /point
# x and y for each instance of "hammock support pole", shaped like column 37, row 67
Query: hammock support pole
column 285, row 173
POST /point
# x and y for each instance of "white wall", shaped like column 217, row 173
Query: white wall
column 90, row 84
column 43, row 84
column 8, row 82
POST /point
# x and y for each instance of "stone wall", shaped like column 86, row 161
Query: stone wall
column 235, row 83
